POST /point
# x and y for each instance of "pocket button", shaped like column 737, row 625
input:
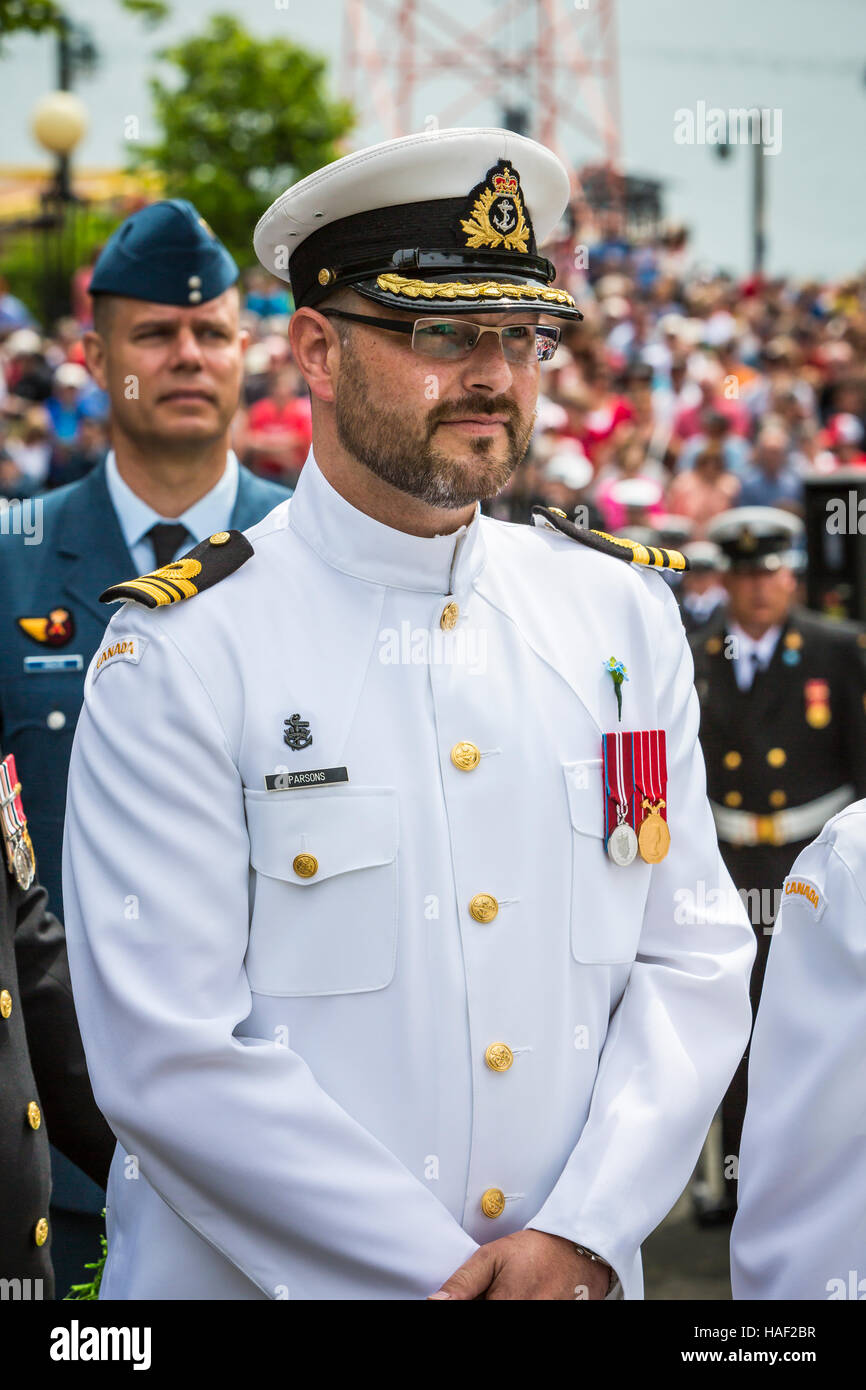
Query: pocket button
column 305, row 865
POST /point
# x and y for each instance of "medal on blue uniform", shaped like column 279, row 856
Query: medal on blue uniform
column 19, row 847
column 619, row 805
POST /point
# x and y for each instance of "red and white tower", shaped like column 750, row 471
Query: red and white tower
column 549, row 68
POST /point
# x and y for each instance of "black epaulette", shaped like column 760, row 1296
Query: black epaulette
column 206, row 564
column 633, row 551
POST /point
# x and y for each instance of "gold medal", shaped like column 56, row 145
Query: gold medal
column 653, row 838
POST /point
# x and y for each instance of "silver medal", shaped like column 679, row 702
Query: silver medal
column 22, row 858
column 622, row 842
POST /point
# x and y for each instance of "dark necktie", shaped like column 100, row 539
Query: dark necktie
column 754, row 668
column 167, row 538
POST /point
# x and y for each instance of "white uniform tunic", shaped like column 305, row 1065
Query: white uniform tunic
column 297, row 1065
column 800, row 1230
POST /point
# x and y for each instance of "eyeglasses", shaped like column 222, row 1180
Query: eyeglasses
column 453, row 339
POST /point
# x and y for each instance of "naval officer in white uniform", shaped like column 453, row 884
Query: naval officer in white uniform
column 800, row 1230
column 369, row 1007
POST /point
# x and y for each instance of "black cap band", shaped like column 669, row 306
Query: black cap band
column 389, row 239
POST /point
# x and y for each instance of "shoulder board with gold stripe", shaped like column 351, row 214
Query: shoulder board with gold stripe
column 206, row 564
column 622, row 549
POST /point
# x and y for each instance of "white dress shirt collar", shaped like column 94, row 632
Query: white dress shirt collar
column 209, row 514
column 365, row 548
column 760, row 647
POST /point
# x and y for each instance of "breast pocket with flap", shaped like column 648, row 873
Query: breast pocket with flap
column 607, row 901
column 324, row 916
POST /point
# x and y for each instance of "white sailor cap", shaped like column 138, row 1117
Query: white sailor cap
column 637, row 492
column 444, row 219
column 757, row 538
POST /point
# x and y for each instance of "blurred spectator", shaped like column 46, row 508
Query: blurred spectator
column 701, row 592
column 266, row 296
column 705, row 490
column 279, row 430
column 82, row 304
column 710, row 379
column 716, row 432
column 564, row 482
column 841, row 444
column 257, row 373
column 28, row 375
column 638, row 501
column 606, row 408
column 772, row 480
column 13, row 314
column 63, row 405
column 89, row 448
column 629, row 462
column 29, row 446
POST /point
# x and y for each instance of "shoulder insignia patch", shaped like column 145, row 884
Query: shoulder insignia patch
column 652, row 555
column 206, row 564
column 808, row 892
column 122, row 648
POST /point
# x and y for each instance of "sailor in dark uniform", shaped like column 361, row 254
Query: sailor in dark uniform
column 43, row 1077
column 783, row 729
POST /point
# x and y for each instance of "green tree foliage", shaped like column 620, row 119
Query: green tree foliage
column 244, row 118
column 36, row 16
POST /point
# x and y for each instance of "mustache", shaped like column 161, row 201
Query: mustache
column 472, row 405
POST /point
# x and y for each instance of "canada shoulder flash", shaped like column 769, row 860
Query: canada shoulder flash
column 206, row 564
column 654, row 556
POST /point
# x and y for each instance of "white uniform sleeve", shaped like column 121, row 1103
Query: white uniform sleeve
column 800, row 1230
column 683, row 1022
column 236, row 1136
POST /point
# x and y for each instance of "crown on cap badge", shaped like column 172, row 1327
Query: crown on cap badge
column 497, row 216
column 505, row 183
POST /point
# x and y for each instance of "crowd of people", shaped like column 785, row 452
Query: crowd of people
column 683, row 393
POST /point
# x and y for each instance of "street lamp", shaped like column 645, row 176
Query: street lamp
column 759, row 189
column 58, row 122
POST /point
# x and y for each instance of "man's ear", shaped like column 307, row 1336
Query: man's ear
column 316, row 349
column 95, row 357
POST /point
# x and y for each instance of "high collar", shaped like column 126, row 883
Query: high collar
column 361, row 546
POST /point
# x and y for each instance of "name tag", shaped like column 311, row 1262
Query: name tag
column 58, row 661
column 319, row 777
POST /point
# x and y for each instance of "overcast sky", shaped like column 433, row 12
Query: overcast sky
column 804, row 59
